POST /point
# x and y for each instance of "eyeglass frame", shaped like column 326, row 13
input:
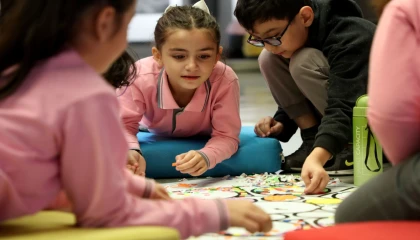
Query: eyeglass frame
column 265, row 40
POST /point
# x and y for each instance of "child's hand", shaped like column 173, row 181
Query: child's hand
column 313, row 173
column 160, row 193
column 191, row 163
column 136, row 163
column 61, row 203
column 268, row 126
column 247, row 215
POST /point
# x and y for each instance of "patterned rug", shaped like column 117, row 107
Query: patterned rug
column 282, row 196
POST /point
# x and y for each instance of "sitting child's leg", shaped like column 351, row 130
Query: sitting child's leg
column 310, row 70
column 286, row 93
column 390, row 196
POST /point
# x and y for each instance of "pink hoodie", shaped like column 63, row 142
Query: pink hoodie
column 394, row 87
column 61, row 130
column 213, row 110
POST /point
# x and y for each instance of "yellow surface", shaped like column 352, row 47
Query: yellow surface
column 57, row 225
column 249, row 50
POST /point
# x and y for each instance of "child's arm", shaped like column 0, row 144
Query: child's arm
column 347, row 48
column 132, row 109
column 93, row 175
column 140, row 188
column 394, row 87
column 226, row 124
column 289, row 126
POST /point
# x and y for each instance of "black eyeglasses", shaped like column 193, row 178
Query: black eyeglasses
column 274, row 41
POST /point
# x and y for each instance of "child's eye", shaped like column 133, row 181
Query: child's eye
column 204, row 57
column 178, row 57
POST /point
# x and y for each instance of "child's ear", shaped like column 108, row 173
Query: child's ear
column 307, row 16
column 105, row 24
column 219, row 54
column 157, row 56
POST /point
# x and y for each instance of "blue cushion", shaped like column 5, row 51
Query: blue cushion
column 255, row 155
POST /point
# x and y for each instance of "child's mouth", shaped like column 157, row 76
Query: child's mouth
column 190, row 78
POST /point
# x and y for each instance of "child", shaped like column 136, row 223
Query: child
column 183, row 91
column 393, row 114
column 315, row 63
column 61, row 130
column 120, row 74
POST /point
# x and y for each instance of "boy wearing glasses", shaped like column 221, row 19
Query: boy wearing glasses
column 315, row 62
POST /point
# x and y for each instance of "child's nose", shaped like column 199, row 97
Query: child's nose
column 192, row 64
column 269, row 47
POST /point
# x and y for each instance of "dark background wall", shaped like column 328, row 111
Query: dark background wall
column 222, row 10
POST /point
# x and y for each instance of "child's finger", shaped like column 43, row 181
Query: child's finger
column 315, row 181
column 193, row 169
column 266, row 225
column 187, row 157
column 266, row 125
column 131, row 161
column 130, row 167
column 199, row 172
column 322, row 185
column 199, row 163
column 190, row 166
column 137, row 171
column 164, row 194
column 262, row 218
column 141, row 166
column 186, row 167
column 180, row 157
column 305, row 177
column 161, row 192
column 251, row 225
column 258, row 131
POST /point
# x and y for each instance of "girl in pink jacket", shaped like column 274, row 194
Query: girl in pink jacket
column 394, row 116
column 60, row 125
column 183, row 90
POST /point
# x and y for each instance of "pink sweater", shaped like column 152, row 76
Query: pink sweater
column 394, row 87
column 213, row 110
column 61, row 130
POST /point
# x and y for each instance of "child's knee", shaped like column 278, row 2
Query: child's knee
column 266, row 60
column 305, row 61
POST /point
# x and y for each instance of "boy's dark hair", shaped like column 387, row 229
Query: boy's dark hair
column 32, row 31
column 250, row 12
column 122, row 72
column 4, row 5
column 185, row 17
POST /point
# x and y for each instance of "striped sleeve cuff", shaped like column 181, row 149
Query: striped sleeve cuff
column 148, row 189
column 223, row 213
column 205, row 158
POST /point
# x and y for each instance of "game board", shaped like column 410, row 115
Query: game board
column 279, row 195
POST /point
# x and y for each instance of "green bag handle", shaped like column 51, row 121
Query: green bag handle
column 370, row 135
